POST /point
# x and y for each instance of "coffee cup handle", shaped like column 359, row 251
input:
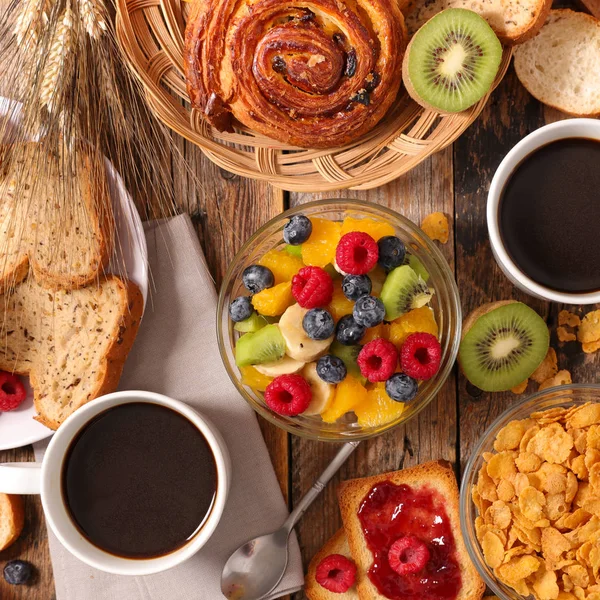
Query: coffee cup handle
column 21, row 478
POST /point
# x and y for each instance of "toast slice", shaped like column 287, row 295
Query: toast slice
column 559, row 66
column 435, row 477
column 12, row 519
column 338, row 544
column 514, row 21
column 72, row 343
column 63, row 231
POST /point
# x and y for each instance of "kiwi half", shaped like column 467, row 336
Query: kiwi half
column 349, row 354
column 263, row 346
column 403, row 290
column 452, row 61
column 503, row 344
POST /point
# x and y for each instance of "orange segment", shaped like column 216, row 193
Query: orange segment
column 254, row 379
column 339, row 305
column 272, row 302
column 378, row 408
column 374, row 333
column 282, row 264
column 348, row 394
column 420, row 320
column 319, row 249
column 376, row 229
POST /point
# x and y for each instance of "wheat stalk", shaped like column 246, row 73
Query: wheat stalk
column 93, row 17
column 60, row 53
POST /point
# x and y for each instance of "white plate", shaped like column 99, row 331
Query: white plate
column 18, row 428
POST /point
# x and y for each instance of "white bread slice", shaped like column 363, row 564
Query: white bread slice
column 338, row 544
column 514, row 21
column 561, row 65
column 12, row 518
column 62, row 230
column 72, row 343
column 436, row 476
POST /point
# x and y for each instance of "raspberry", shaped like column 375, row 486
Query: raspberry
column 408, row 555
column 288, row 395
column 378, row 360
column 420, row 356
column 356, row 253
column 336, row 573
column 312, row 287
column 12, row 391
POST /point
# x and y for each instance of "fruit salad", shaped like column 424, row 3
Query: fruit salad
column 335, row 323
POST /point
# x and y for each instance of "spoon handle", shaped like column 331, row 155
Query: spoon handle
column 318, row 486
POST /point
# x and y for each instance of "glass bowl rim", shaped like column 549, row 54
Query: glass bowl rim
column 465, row 494
column 438, row 259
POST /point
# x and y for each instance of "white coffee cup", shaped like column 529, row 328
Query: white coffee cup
column 569, row 128
column 45, row 479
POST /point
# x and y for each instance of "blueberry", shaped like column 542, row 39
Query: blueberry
column 18, row 572
column 318, row 324
column 240, row 309
column 391, row 252
column 297, row 230
column 348, row 331
column 355, row 286
column 257, row 278
column 331, row 368
column 401, row 388
column 368, row 311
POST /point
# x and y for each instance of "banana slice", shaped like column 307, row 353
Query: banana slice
column 297, row 344
column 322, row 392
column 285, row 366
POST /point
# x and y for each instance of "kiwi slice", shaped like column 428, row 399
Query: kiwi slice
column 417, row 266
column 503, row 344
column 349, row 354
column 452, row 61
column 403, row 290
column 294, row 250
column 263, row 346
column 253, row 323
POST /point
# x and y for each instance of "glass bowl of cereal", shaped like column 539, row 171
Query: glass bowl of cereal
column 530, row 497
column 319, row 309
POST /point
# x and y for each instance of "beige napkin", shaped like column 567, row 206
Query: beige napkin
column 176, row 354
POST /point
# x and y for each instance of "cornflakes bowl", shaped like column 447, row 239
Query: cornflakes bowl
column 530, row 498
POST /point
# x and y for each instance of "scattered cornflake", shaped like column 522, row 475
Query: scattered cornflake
column 519, row 389
column 589, row 330
column 564, row 335
column 561, row 378
column 548, row 368
column 568, row 318
column 436, row 227
column 590, row 347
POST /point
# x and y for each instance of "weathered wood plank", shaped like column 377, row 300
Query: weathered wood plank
column 433, row 434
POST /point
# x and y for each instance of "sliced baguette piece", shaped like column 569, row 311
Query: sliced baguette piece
column 338, row 544
column 12, row 519
column 72, row 343
column 436, row 476
column 513, row 21
column 62, row 230
column 561, row 65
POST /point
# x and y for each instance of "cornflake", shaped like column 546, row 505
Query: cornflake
column 561, row 378
column 436, row 227
column 589, row 330
column 538, row 499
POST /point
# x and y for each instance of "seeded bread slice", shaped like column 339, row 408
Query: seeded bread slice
column 62, row 229
column 561, row 65
column 72, row 343
column 338, row 544
column 12, row 518
column 433, row 475
column 514, row 21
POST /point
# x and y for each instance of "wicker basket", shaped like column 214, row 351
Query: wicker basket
column 151, row 33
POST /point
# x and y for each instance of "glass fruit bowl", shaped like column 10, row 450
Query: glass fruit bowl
column 562, row 396
column 445, row 305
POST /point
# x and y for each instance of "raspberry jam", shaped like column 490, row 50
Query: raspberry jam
column 389, row 512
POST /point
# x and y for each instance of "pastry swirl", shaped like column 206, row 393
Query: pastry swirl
column 314, row 73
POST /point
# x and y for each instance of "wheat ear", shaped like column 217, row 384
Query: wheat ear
column 93, row 17
column 27, row 22
column 58, row 57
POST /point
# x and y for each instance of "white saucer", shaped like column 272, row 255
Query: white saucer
column 18, row 428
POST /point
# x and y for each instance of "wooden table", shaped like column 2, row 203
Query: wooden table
column 454, row 181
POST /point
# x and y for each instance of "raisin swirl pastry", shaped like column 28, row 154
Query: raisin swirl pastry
column 315, row 73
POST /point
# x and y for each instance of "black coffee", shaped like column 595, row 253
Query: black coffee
column 139, row 480
column 549, row 215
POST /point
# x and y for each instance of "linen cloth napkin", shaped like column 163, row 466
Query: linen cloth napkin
column 176, row 354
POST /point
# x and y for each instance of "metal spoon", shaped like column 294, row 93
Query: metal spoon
column 256, row 568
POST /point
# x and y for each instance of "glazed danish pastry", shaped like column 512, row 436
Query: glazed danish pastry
column 314, row 73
